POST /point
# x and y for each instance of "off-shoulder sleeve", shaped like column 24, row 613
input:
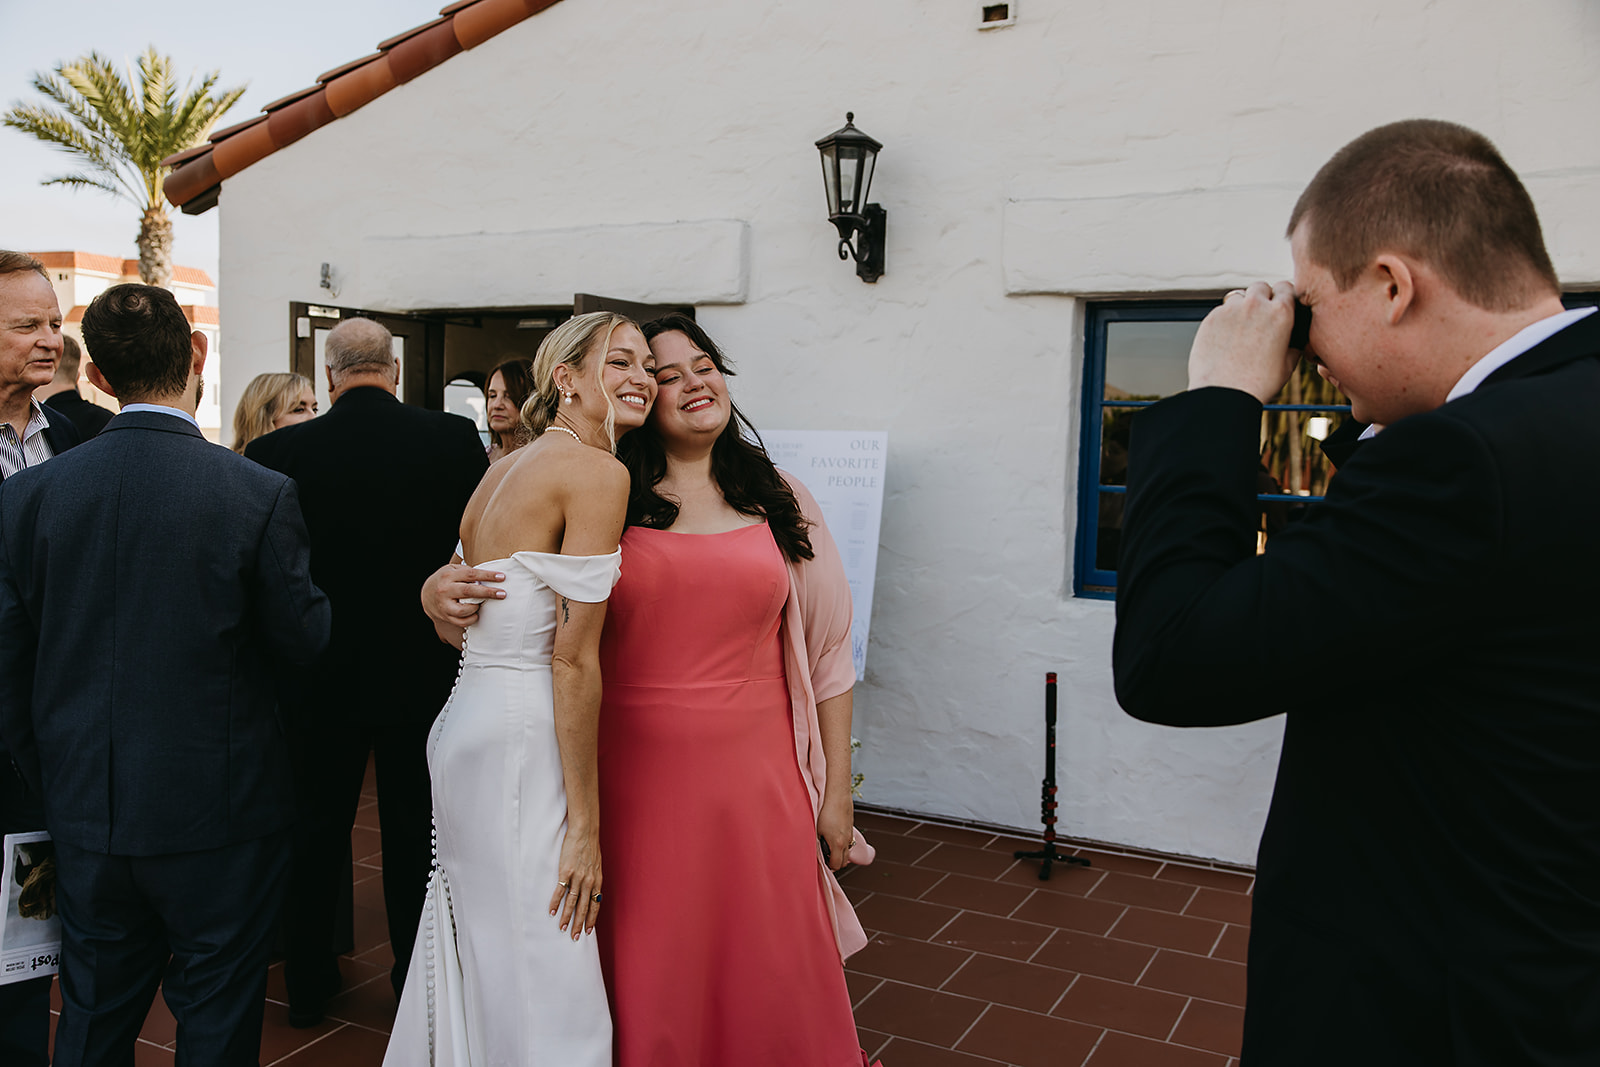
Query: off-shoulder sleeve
column 586, row 579
column 825, row 604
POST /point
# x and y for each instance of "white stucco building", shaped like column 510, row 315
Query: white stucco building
column 1041, row 174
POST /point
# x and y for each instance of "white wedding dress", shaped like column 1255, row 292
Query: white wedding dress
column 494, row 982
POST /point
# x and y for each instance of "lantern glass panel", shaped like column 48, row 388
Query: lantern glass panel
column 849, row 178
column 868, row 159
column 830, row 178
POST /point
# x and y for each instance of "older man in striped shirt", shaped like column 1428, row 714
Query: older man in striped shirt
column 30, row 348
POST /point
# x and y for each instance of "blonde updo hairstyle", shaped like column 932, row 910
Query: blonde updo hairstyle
column 570, row 343
column 265, row 398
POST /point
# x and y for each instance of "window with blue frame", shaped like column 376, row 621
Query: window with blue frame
column 1137, row 353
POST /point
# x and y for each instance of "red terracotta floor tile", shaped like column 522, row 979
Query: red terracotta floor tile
column 893, row 848
column 1070, row 912
column 370, row 1004
column 147, row 1055
column 1074, row 881
column 1196, row 976
column 908, row 918
column 279, row 1039
column 879, row 823
column 1143, row 892
column 920, row 1014
column 1233, row 944
column 1143, row 866
column 1119, row 1006
column 955, row 835
column 367, row 815
column 1233, row 881
column 160, row 1028
column 905, row 1053
column 959, row 859
column 1220, row 904
column 1125, row 1050
column 977, row 894
column 1213, row 1027
column 871, row 1042
column 1011, row 982
column 347, row 1046
column 860, row 985
column 994, row 935
column 365, row 844
column 1027, row 1039
column 1087, row 954
column 907, row 959
column 1166, row 930
column 896, row 879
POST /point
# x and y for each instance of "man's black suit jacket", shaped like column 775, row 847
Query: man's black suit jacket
column 20, row 807
column 153, row 586
column 1428, row 882
column 383, row 485
column 90, row 418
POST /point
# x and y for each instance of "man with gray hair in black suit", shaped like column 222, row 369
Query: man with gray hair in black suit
column 383, row 485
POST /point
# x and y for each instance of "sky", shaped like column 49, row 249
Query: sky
column 273, row 46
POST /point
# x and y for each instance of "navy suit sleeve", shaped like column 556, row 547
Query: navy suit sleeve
column 19, row 649
column 1372, row 583
column 293, row 614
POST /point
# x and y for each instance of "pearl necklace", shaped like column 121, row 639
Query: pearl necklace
column 566, row 431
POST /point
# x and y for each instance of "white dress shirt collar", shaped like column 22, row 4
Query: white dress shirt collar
column 162, row 409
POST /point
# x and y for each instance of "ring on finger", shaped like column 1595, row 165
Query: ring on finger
column 1233, row 292
column 563, row 885
column 596, row 898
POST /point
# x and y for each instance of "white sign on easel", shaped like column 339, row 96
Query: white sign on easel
column 30, row 930
column 844, row 471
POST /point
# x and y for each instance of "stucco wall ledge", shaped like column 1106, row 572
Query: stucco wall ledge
column 696, row 262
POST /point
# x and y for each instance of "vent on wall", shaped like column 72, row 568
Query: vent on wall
column 994, row 16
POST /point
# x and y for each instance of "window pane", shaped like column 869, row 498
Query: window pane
column 1109, row 534
column 1114, row 425
column 1147, row 360
column 1291, row 454
column 1306, row 386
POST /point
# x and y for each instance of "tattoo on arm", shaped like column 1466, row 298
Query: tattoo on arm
column 566, row 611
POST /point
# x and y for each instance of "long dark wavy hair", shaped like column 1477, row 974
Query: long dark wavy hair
column 745, row 474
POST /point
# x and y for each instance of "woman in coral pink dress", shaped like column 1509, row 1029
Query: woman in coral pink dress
column 724, row 751
column 724, row 747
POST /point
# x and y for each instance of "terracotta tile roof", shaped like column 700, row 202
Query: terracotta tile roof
column 117, row 267
column 461, row 25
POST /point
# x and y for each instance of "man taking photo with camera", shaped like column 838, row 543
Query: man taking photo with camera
column 1428, row 882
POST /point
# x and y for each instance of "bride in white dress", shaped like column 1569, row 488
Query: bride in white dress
column 505, row 970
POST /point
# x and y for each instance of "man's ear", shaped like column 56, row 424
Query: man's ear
column 1399, row 281
column 97, row 379
column 199, row 346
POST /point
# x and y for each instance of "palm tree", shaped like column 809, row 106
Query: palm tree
column 120, row 130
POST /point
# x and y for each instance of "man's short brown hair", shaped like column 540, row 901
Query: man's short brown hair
column 16, row 262
column 1435, row 191
column 139, row 338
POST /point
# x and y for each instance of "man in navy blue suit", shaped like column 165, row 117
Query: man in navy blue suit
column 154, row 589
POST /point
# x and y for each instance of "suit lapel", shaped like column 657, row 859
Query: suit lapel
column 1580, row 340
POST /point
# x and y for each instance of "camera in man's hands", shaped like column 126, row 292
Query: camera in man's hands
column 1300, row 336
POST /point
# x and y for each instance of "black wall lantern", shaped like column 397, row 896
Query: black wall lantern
column 848, row 156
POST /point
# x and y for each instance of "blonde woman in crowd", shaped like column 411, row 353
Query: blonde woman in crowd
column 271, row 402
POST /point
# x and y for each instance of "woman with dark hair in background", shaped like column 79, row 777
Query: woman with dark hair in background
column 508, row 388
column 727, row 691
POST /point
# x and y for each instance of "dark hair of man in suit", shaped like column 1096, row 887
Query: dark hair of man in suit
column 71, row 360
column 1438, row 192
column 138, row 337
column 15, row 262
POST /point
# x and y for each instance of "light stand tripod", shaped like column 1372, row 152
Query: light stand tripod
column 1047, row 802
